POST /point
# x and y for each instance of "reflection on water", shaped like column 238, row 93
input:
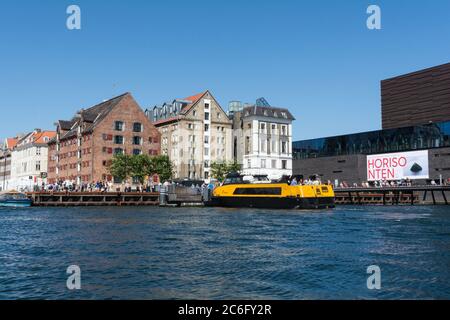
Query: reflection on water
column 195, row 253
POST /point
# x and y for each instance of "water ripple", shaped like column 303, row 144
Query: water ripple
column 191, row 253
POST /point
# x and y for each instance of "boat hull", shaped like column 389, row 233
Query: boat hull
column 272, row 203
column 16, row 203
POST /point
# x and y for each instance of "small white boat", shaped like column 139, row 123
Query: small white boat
column 14, row 199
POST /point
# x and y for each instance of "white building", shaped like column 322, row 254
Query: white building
column 263, row 140
column 29, row 161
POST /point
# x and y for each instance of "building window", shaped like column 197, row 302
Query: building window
column 284, row 164
column 263, row 127
column 249, row 163
column 283, row 147
column 119, row 126
column 206, row 164
column 247, row 145
column 137, row 141
column 137, row 152
column 206, row 116
column 263, row 163
column 118, row 139
column 206, row 139
column 206, row 127
column 274, row 164
column 118, row 151
column 207, row 106
column 206, row 151
column 38, row 151
column 206, row 175
column 137, row 127
column 38, row 166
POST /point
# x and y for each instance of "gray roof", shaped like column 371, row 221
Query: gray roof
column 271, row 112
column 66, row 125
column 91, row 116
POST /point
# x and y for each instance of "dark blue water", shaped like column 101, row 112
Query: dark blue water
column 196, row 253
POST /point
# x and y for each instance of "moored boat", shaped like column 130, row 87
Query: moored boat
column 237, row 191
column 14, row 199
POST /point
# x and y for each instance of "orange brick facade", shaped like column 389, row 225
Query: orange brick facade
column 82, row 153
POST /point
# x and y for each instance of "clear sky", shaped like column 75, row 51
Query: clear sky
column 316, row 58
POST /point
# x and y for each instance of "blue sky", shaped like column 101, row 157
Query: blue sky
column 316, row 58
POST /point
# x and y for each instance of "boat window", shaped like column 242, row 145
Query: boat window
column 257, row 191
column 234, row 180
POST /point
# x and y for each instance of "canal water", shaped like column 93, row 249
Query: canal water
column 197, row 253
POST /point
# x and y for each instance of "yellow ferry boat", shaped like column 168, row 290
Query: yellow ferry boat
column 258, row 192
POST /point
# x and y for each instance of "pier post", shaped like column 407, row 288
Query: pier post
column 434, row 199
column 351, row 198
column 384, row 198
column 445, row 198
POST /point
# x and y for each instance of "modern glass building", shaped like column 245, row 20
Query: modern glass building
column 344, row 158
column 434, row 135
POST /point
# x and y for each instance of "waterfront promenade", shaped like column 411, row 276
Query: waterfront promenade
column 75, row 199
column 401, row 195
column 427, row 194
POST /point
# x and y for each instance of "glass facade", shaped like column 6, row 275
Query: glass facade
column 434, row 135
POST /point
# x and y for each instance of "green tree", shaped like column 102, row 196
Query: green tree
column 141, row 165
column 162, row 166
column 234, row 167
column 121, row 167
column 219, row 170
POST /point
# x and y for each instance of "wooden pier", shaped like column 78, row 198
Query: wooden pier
column 75, row 199
column 394, row 195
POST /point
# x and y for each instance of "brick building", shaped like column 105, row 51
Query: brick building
column 84, row 146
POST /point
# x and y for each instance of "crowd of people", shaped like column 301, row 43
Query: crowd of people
column 96, row 186
column 386, row 184
column 199, row 186
column 109, row 186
